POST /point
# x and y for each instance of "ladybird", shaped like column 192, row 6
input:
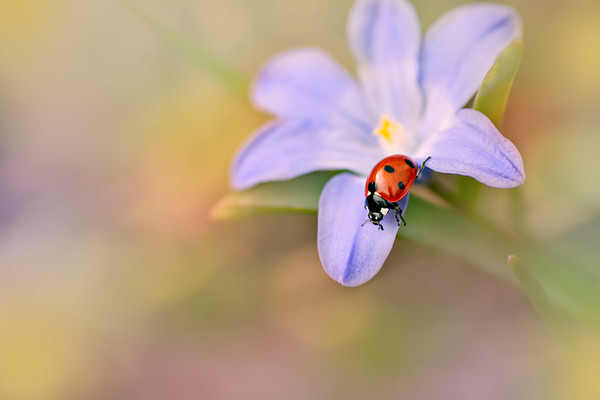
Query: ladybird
column 389, row 181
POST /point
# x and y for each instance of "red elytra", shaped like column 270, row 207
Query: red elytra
column 393, row 176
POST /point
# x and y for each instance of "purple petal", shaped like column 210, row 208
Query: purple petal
column 285, row 149
column 458, row 50
column 385, row 37
column 306, row 83
column 474, row 147
column 350, row 253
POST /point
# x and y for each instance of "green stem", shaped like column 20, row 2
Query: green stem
column 195, row 53
column 549, row 314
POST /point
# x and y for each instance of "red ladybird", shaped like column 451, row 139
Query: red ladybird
column 389, row 181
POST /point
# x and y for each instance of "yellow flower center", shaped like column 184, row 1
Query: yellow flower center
column 386, row 128
column 393, row 136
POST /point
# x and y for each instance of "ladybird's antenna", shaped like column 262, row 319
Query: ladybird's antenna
column 378, row 224
column 422, row 167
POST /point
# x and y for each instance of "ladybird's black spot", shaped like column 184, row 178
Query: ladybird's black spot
column 372, row 188
column 401, row 185
column 389, row 168
column 409, row 163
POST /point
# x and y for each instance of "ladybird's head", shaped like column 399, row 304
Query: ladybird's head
column 375, row 217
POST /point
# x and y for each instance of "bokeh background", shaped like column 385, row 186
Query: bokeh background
column 116, row 284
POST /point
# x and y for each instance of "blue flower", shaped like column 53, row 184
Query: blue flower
column 408, row 99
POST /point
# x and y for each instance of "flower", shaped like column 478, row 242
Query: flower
column 407, row 100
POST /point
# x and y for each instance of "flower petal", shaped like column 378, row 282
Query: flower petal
column 474, row 147
column 285, row 149
column 458, row 50
column 385, row 37
column 350, row 253
column 306, row 83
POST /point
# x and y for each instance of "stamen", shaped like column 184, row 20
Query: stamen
column 387, row 128
column 393, row 136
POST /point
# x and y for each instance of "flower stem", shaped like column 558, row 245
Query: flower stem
column 194, row 52
column 550, row 315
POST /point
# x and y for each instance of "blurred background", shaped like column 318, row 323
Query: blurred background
column 116, row 284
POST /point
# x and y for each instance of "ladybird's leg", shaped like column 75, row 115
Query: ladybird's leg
column 397, row 213
column 422, row 167
column 394, row 206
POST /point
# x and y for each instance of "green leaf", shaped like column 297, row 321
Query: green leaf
column 195, row 53
column 550, row 315
column 296, row 195
column 444, row 228
column 567, row 281
column 493, row 93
